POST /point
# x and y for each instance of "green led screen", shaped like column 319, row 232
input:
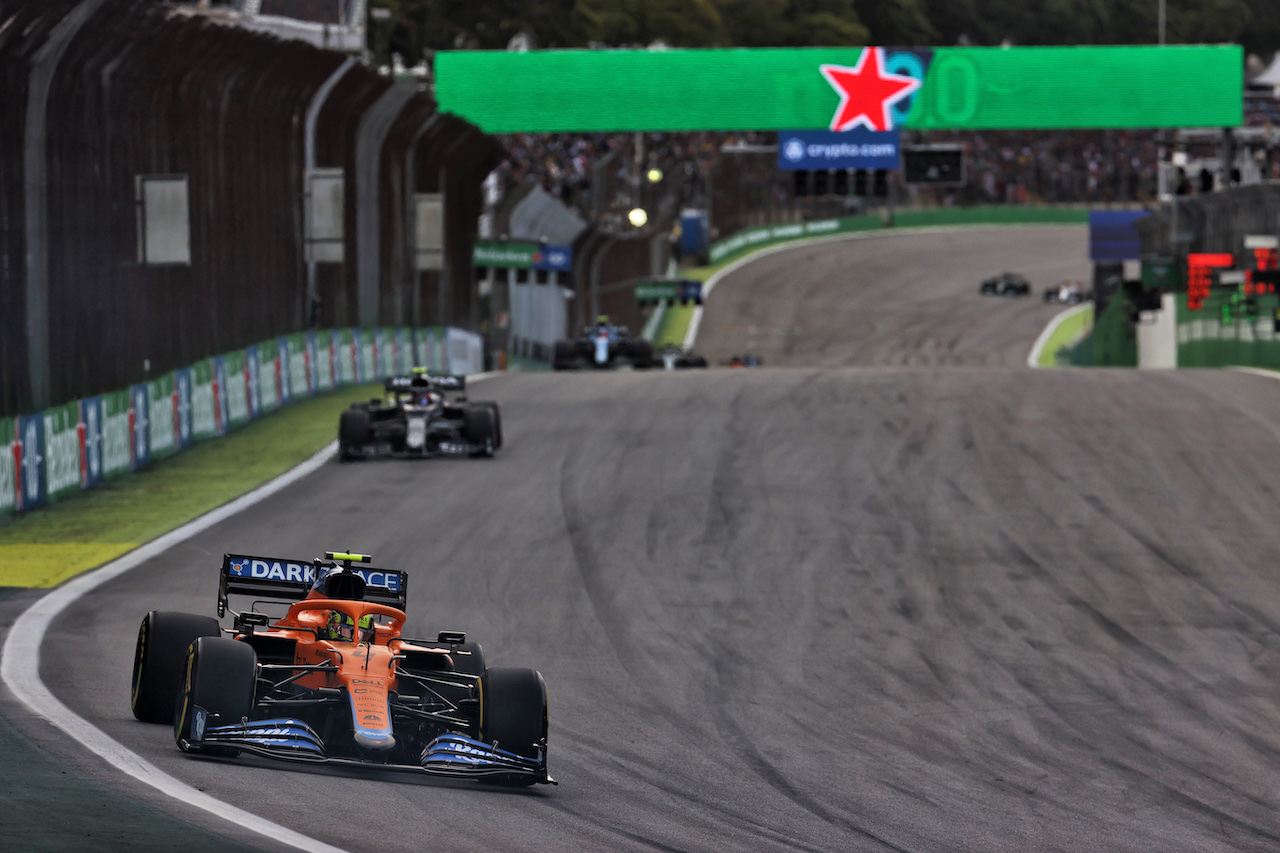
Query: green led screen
column 975, row 88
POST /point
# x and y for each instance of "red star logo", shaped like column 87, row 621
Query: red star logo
column 867, row 91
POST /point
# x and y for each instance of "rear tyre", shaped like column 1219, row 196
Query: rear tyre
column 479, row 430
column 353, row 432
column 157, row 660
column 562, row 359
column 220, row 676
column 471, row 662
column 513, row 715
column 641, row 353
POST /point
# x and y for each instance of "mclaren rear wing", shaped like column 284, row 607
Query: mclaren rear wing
column 291, row 580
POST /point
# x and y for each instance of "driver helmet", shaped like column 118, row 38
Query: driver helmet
column 341, row 627
column 602, row 320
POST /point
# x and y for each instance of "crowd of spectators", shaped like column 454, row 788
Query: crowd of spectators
column 1053, row 166
column 601, row 176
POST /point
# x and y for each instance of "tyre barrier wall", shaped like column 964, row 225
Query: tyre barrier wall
column 301, row 174
column 78, row 445
column 1227, row 329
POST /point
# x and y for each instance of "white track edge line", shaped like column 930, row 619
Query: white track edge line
column 1256, row 371
column 20, row 662
column 1033, row 358
column 691, row 334
column 20, row 666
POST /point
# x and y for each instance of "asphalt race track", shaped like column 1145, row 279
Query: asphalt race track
column 888, row 299
column 903, row 594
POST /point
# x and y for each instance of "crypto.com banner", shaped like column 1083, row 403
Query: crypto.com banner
column 837, row 89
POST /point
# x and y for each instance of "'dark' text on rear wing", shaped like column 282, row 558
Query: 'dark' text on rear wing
column 291, row 580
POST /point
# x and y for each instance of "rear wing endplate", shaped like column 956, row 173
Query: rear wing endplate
column 291, row 580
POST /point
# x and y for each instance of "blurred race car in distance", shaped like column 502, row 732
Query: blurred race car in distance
column 333, row 681
column 1067, row 293
column 418, row 419
column 675, row 358
column 747, row 360
column 1005, row 284
column 603, row 346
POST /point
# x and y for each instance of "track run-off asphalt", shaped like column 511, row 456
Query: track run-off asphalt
column 893, row 591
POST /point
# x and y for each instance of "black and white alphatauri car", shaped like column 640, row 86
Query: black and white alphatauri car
column 1006, row 284
column 419, row 419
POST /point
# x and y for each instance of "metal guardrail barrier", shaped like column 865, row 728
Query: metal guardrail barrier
column 79, row 444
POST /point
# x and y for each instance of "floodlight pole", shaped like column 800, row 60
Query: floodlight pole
column 1162, row 18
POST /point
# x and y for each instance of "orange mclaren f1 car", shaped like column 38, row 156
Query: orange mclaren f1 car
column 333, row 681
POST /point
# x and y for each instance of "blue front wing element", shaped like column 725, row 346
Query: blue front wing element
column 293, row 740
column 459, row 755
column 279, row 738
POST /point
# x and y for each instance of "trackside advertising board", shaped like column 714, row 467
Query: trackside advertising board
column 205, row 415
column 834, row 88
column 62, row 449
column 323, row 360
column 162, row 429
column 82, row 443
column 117, row 433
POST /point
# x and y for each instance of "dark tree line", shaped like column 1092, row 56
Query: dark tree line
column 417, row 26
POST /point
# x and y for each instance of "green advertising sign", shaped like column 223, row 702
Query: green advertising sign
column 117, row 435
column 299, row 375
column 161, row 417
column 653, row 291
column 976, row 88
column 268, row 385
column 204, row 419
column 345, row 357
column 235, row 367
column 510, row 255
column 1160, row 273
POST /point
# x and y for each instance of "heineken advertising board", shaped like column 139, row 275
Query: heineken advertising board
column 80, row 444
column 956, row 88
column 522, row 256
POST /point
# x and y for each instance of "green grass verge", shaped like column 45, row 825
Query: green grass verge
column 47, row 546
column 674, row 326
column 1064, row 334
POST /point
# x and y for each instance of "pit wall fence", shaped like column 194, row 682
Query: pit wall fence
column 1207, row 338
column 67, row 448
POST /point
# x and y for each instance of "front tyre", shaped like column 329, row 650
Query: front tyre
column 479, row 429
column 492, row 406
column 220, row 676
column 157, row 660
column 513, row 716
